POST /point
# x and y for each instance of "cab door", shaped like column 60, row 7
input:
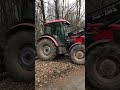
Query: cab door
column 61, row 34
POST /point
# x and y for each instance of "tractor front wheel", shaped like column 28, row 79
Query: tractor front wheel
column 77, row 54
column 46, row 49
column 103, row 66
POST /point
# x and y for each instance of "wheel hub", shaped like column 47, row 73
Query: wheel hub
column 27, row 57
column 108, row 68
column 79, row 54
column 46, row 50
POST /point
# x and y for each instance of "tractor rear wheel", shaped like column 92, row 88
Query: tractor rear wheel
column 20, row 56
column 103, row 66
column 46, row 49
column 2, row 68
column 1, row 61
column 77, row 54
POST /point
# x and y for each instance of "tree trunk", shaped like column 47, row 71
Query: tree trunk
column 56, row 9
column 43, row 13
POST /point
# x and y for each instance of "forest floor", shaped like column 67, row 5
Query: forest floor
column 8, row 84
column 59, row 74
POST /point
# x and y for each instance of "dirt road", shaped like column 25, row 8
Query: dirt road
column 59, row 75
column 74, row 81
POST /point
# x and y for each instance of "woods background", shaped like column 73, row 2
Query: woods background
column 71, row 10
column 13, row 12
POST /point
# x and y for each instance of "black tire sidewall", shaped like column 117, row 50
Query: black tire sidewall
column 16, row 71
column 99, row 51
column 73, row 50
column 51, row 45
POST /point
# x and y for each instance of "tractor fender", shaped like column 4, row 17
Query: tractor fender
column 49, row 37
column 23, row 24
column 94, row 44
column 73, row 46
column 14, row 29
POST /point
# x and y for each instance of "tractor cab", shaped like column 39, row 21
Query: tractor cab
column 59, row 29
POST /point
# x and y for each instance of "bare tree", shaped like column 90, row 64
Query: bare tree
column 62, row 9
column 43, row 11
column 10, row 13
column 56, row 8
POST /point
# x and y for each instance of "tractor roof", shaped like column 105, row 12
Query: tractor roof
column 60, row 20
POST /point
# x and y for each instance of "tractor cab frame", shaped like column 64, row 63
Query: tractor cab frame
column 58, row 29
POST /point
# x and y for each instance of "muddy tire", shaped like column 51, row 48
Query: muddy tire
column 77, row 54
column 46, row 49
column 20, row 56
column 102, row 66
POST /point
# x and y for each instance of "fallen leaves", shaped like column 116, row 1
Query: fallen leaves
column 48, row 71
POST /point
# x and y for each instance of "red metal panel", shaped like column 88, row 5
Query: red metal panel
column 56, row 43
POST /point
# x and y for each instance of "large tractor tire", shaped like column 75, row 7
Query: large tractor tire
column 46, row 49
column 77, row 54
column 20, row 56
column 1, row 61
column 103, row 66
column 2, row 68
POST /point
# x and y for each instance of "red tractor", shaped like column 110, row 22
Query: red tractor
column 58, row 39
column 103, row 47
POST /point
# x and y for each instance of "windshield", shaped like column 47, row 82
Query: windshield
column 48, row 29
column 57, row 29
column 52, row 28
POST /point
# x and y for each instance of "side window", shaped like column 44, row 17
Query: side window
column 58, row 30
column 53, row 29
column 65, row 30
column 48, row 31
